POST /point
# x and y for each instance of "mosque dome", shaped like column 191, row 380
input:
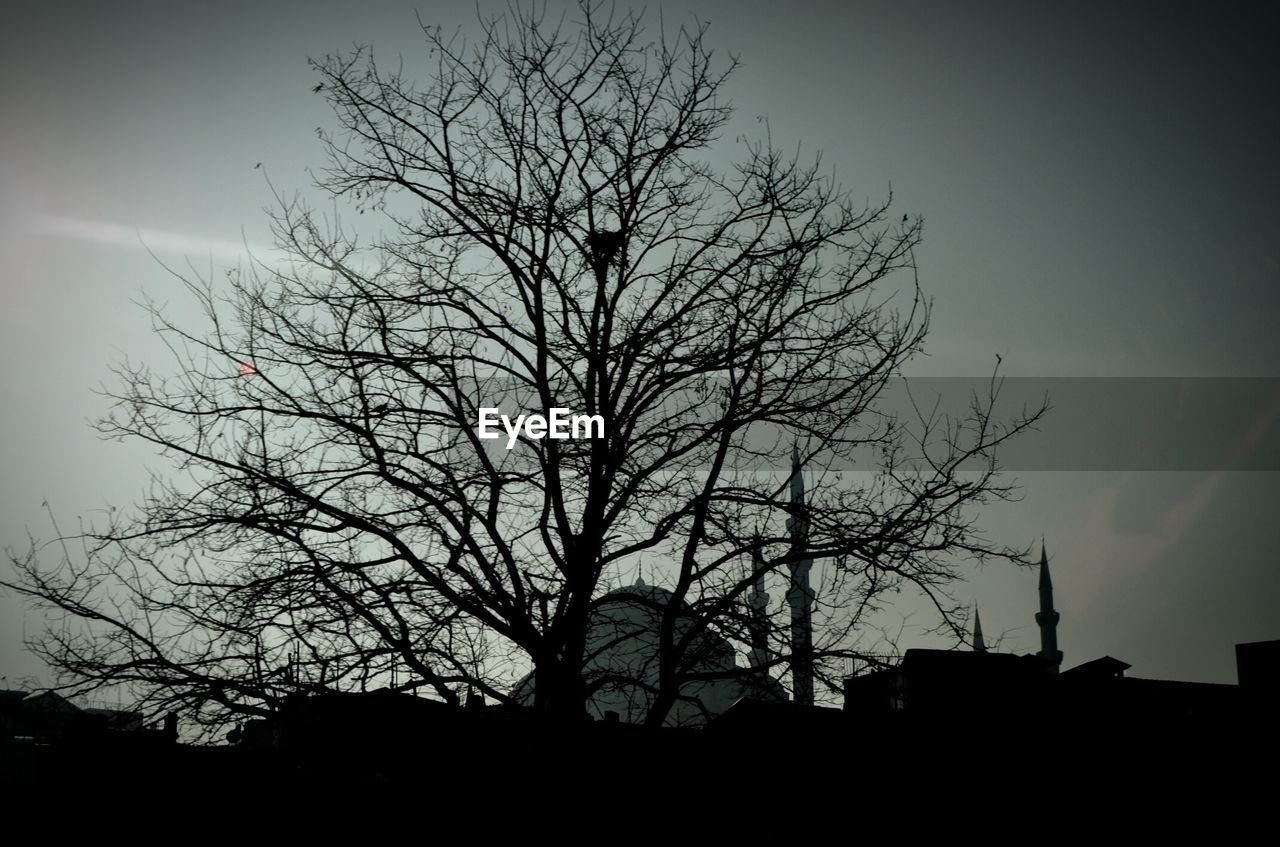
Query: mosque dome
column 621, row 666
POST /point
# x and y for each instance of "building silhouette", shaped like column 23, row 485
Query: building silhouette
column 739, row 719
column 1047, row 617
column 1010, row 694
column 624, row 638
column 623, row 655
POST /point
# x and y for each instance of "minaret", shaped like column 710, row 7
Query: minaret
column 1047, row 617
column 979, row 646
column 758, row 622
column 800, row 595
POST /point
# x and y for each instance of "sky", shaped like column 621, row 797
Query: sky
column 1098, row 182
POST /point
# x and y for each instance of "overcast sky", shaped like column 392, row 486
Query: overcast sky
column 1098, row 181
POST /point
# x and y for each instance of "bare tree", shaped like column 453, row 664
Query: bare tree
column 551, row 233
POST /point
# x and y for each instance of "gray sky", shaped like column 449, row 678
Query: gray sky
column 1098, row 181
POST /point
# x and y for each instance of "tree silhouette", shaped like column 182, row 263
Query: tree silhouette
column 551, row 232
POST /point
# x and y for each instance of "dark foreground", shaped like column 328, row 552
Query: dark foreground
column 1019, row 763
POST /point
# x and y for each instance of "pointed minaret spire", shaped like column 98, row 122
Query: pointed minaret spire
column 1047, row 617
column 799, row 594
column 758, row 604
column 979, row 646
column 797, row 476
